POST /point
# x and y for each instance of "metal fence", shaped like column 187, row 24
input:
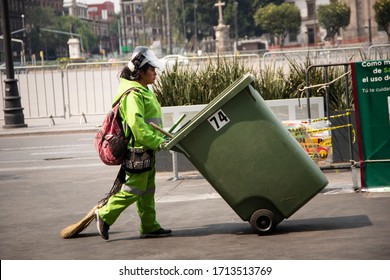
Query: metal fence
column 41, row 89
column 378, row 52
column 316, row 56
column 79, row 89
column 90, row 87
column 277, row 59
column 82, row 89
column 340, row 124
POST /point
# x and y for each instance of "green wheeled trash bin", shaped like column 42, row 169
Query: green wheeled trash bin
column 247, row 155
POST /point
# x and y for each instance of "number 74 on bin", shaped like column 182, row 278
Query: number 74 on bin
column 218, row 120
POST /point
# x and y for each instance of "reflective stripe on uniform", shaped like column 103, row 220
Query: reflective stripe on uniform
column 157, row 121
column 137, row 191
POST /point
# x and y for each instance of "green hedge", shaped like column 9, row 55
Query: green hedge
column 192, row 85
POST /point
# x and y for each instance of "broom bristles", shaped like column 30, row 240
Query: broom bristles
column 74, row 229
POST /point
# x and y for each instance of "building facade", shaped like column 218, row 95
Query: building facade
column 19, row 27
column 362, row 27
column 138, row 29
column 75, row 9
column 100, row 16
column 104, row 11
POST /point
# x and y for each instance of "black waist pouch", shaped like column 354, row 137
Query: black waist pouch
column 138, row 160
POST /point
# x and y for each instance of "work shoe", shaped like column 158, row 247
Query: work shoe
column 158, row 233
column 102, row 227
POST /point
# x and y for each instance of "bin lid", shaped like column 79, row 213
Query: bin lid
column 226, row 95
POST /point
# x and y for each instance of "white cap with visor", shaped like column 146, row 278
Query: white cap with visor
column 141, row 56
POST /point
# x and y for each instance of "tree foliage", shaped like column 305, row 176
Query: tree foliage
column 279, row 20
column 246, row 27
column 182, row 22
column 183, row 12
column 333, row 17
column 84, row 29
column 38, row 18
column 41, row 19
column 182, row 18
column 382, row 15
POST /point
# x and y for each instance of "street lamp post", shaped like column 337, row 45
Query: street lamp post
column 235, row 26
column 196, row 28
column 123, row 25
column 13, row 111
column 369, row 23
column 143, row 22
column 23, row 25
column 119, row 36
column 23, row 52
column 169, row 37
column 184, row 23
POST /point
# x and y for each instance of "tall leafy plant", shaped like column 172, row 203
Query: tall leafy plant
column 201, row 83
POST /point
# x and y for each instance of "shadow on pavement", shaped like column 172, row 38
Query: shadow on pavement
column 285, row 227
column 323, row 224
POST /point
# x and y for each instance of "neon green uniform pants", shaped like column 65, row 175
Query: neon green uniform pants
column 139, row 188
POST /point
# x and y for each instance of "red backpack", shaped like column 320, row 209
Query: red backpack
column 110, row 140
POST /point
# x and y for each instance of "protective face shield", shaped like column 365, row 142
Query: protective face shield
column 141, row 56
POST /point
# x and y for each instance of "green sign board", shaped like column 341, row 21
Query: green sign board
column 371, row 86
column 126, row 49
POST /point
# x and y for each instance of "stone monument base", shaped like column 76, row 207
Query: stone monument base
column 222, row 39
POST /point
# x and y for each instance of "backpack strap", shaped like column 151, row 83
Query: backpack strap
column 124, row 94
column 131, row 138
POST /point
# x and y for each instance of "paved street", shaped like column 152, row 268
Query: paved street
column 50, row 177
column 51, row 181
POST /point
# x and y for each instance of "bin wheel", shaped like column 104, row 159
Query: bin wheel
column 263, row 221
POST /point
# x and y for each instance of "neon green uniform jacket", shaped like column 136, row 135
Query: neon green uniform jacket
column 137, row 109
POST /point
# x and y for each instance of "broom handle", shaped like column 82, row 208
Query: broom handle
column 176, row 123
column 161, row 130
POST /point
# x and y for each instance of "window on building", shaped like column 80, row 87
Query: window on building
column 104, row 15
column 311, row 9
column 292, row 37
column 138, row 8
column 311, row 34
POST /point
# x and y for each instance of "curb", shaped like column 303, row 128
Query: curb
column 14, row 133
column 43, row 126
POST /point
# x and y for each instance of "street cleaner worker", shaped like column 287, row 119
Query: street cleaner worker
column 137, row 109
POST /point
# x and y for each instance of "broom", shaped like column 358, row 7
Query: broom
column 74, row 229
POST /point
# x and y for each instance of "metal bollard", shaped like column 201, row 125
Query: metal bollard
column 175, row 167
column 355, row 183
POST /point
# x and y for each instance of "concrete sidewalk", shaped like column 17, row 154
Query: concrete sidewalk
column 53, row 126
